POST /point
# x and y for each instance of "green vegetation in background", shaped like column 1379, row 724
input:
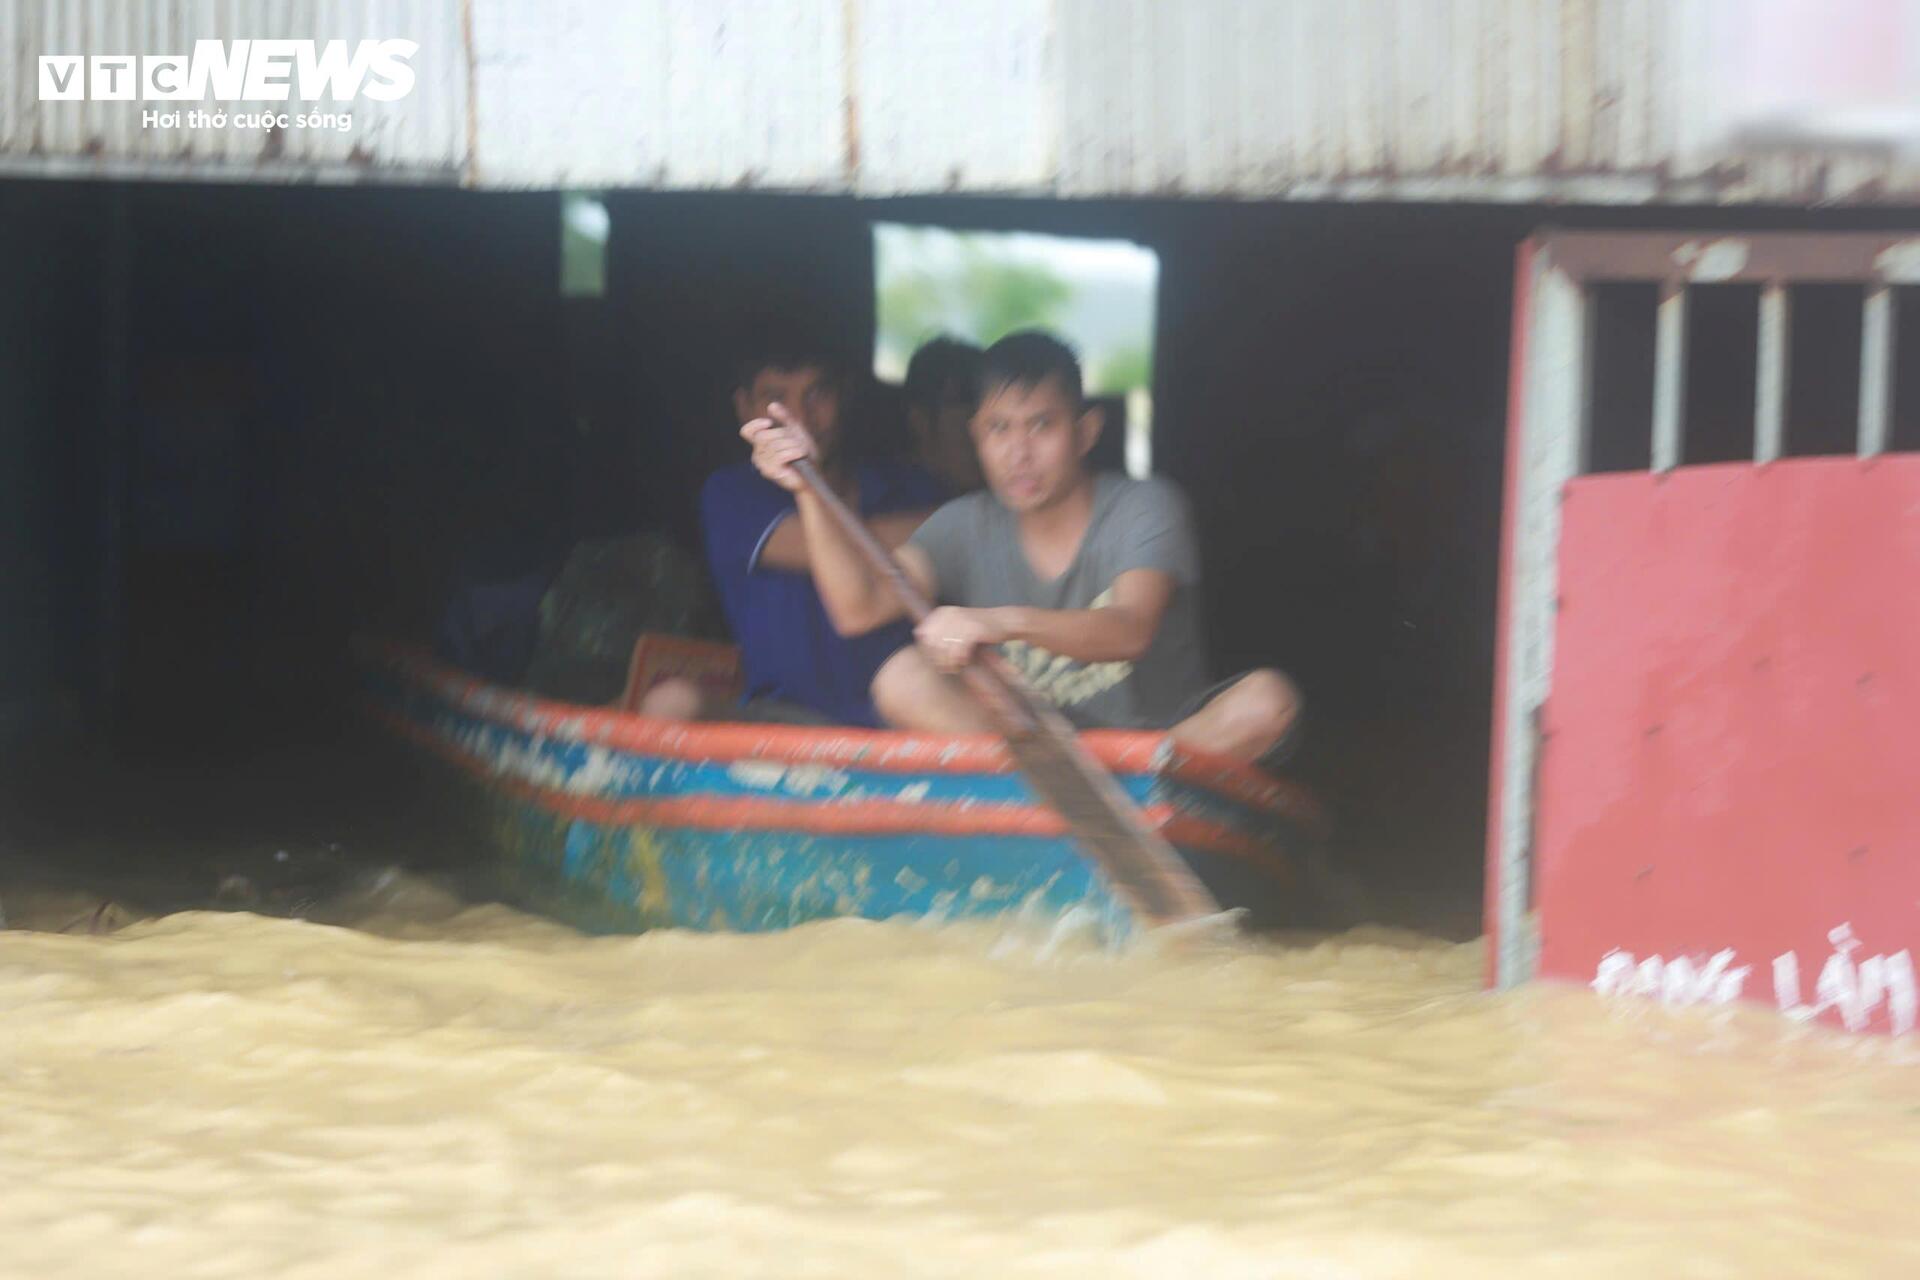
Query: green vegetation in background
column 583, row 245
column 987, row 297
column 983, row 301
column 1124, row 369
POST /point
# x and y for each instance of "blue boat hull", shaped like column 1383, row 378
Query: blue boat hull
column 614, row 823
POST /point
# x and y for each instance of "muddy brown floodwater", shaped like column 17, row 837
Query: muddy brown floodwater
column 465, row 1091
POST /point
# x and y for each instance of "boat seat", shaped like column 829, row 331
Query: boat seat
column 658, row 655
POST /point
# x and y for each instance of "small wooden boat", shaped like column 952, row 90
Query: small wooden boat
column 617, row 823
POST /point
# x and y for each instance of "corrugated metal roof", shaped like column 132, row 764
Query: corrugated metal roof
column 1584, row 100
column 1516, row 100
column 666, row 93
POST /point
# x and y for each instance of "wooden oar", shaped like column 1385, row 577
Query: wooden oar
column 1139, row 863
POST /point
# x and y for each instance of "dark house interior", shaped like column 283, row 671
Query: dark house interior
column 244, row 423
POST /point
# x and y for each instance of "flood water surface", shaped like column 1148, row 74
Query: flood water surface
column 467, row 1091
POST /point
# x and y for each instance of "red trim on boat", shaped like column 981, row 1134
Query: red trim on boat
column 835, row 817
column 1119, row 750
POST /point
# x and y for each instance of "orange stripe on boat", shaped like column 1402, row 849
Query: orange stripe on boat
column 837, row 817
column 883, row 751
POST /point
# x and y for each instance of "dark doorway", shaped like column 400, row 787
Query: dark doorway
column 262, row 419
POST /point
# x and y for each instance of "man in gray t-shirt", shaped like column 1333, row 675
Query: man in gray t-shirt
column 1088, row 583
column 978, row 562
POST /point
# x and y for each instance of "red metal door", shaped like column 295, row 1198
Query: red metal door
column 1707, row 727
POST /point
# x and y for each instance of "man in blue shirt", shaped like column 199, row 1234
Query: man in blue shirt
column 798, row 669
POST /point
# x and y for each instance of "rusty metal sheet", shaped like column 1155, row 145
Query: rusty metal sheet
column 1526, row 101
column 1741, row 258
column 962, row 98
column 553, row 108
column 1605, row 101
column 661, row 93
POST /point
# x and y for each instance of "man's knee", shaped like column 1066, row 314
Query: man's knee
column 1262, row 705
column 900, row 686
column 910, row 693
column 675, row 698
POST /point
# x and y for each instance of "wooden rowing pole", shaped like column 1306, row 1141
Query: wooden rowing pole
column 1143, row 868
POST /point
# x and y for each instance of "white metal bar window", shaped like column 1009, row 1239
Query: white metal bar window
column 1770, row 378
column 1876, row 370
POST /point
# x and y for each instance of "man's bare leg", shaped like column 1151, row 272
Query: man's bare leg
column 675, row 698
column 1246, row 719
column 911, row 693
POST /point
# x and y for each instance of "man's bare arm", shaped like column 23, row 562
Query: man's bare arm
column 1118, row 631
column 786, row 547
column 855, row 597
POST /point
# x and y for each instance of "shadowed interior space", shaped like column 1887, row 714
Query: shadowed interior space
column 243, row 424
